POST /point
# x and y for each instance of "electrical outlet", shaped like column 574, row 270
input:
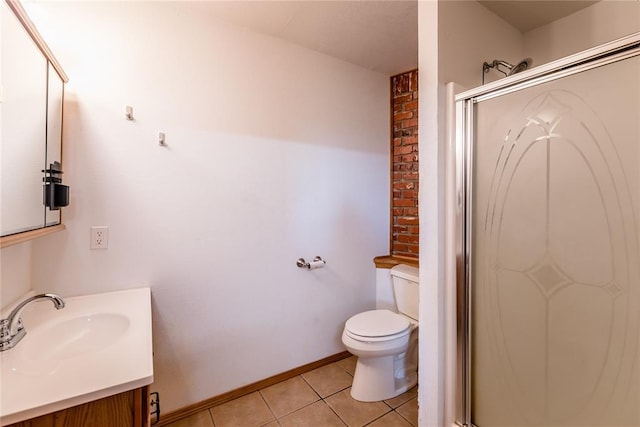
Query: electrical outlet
column 99, row 237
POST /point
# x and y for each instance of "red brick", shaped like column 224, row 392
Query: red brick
column 401, row 83
column 413, row 82
column 409, row 176
column 410, row 133
column 405, row 164
column 404, row 149
column 409, row 194
column 408, row 123
column 398, row 247
column 403, row 185
column 414, row 249
column 407, row 238
column 403, row 115
column 412, row 105
column 408, row 140
column 404, row 202
column 414, row 188
column 409, row 220
column 402, row 99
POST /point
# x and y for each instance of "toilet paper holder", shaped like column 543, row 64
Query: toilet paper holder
column 316, row 263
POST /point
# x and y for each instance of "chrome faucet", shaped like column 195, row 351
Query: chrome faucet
column 11, row 328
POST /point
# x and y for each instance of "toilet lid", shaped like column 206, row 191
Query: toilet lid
column 377, row 323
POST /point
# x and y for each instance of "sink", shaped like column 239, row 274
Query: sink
column 96, row 346
column 74, row 337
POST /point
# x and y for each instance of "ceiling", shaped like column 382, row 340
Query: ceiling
column 378, row 35
column 525, row 15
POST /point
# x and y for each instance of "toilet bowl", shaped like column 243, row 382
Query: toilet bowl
column 386, row 343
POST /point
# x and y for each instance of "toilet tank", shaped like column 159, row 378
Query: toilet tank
column 405, row 289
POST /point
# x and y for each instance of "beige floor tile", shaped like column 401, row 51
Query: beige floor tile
column 328, row 379
column 409, row 411
column 403, row 398
column 201, row 419
column 246, row 411
column 315, row 415
column 273, row 423
column 349, row 364
column 353, row 412
column 392, row 419
column 288, row 396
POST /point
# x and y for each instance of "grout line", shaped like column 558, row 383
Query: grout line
column 267, row 405
column 336, row 392
column 311, row 387
column 299, row 409
column 376, row 419
column 403, row 417
column 211, row 416
column 337, row 415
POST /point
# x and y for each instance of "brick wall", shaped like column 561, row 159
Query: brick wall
column 405, row 228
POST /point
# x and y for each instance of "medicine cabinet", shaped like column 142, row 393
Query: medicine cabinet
column 31, row 100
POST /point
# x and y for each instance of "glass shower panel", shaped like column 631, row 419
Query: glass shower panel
column 555, row 281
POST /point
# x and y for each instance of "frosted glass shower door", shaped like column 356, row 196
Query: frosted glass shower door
column 555, row 282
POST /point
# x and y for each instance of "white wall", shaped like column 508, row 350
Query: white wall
column 470, row 34
column 274, row 152
column 604, row 21
column 15, row 272
column 430, row 378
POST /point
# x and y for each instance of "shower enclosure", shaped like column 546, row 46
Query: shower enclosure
column 549, row 295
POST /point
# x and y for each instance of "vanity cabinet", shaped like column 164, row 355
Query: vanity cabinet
column 127, row 409
column 31, row 101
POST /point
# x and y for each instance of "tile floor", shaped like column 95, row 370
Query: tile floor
column 319, row 398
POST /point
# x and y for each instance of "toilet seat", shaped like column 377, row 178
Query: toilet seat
column 377, row 325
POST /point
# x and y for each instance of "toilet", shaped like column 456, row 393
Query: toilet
column 386, row 342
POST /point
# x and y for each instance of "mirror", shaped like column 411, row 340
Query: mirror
column 55, row 91
column 30, row 124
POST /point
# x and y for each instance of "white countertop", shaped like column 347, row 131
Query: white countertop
column 38, row 377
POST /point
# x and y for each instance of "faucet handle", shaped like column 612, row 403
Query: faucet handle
column 4, row 328
column 7, row 340
column 19, row 325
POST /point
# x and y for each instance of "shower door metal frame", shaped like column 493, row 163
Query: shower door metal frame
column 605, row 54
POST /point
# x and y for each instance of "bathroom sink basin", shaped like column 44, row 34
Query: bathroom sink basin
column 74, row 337
column 96, row 346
